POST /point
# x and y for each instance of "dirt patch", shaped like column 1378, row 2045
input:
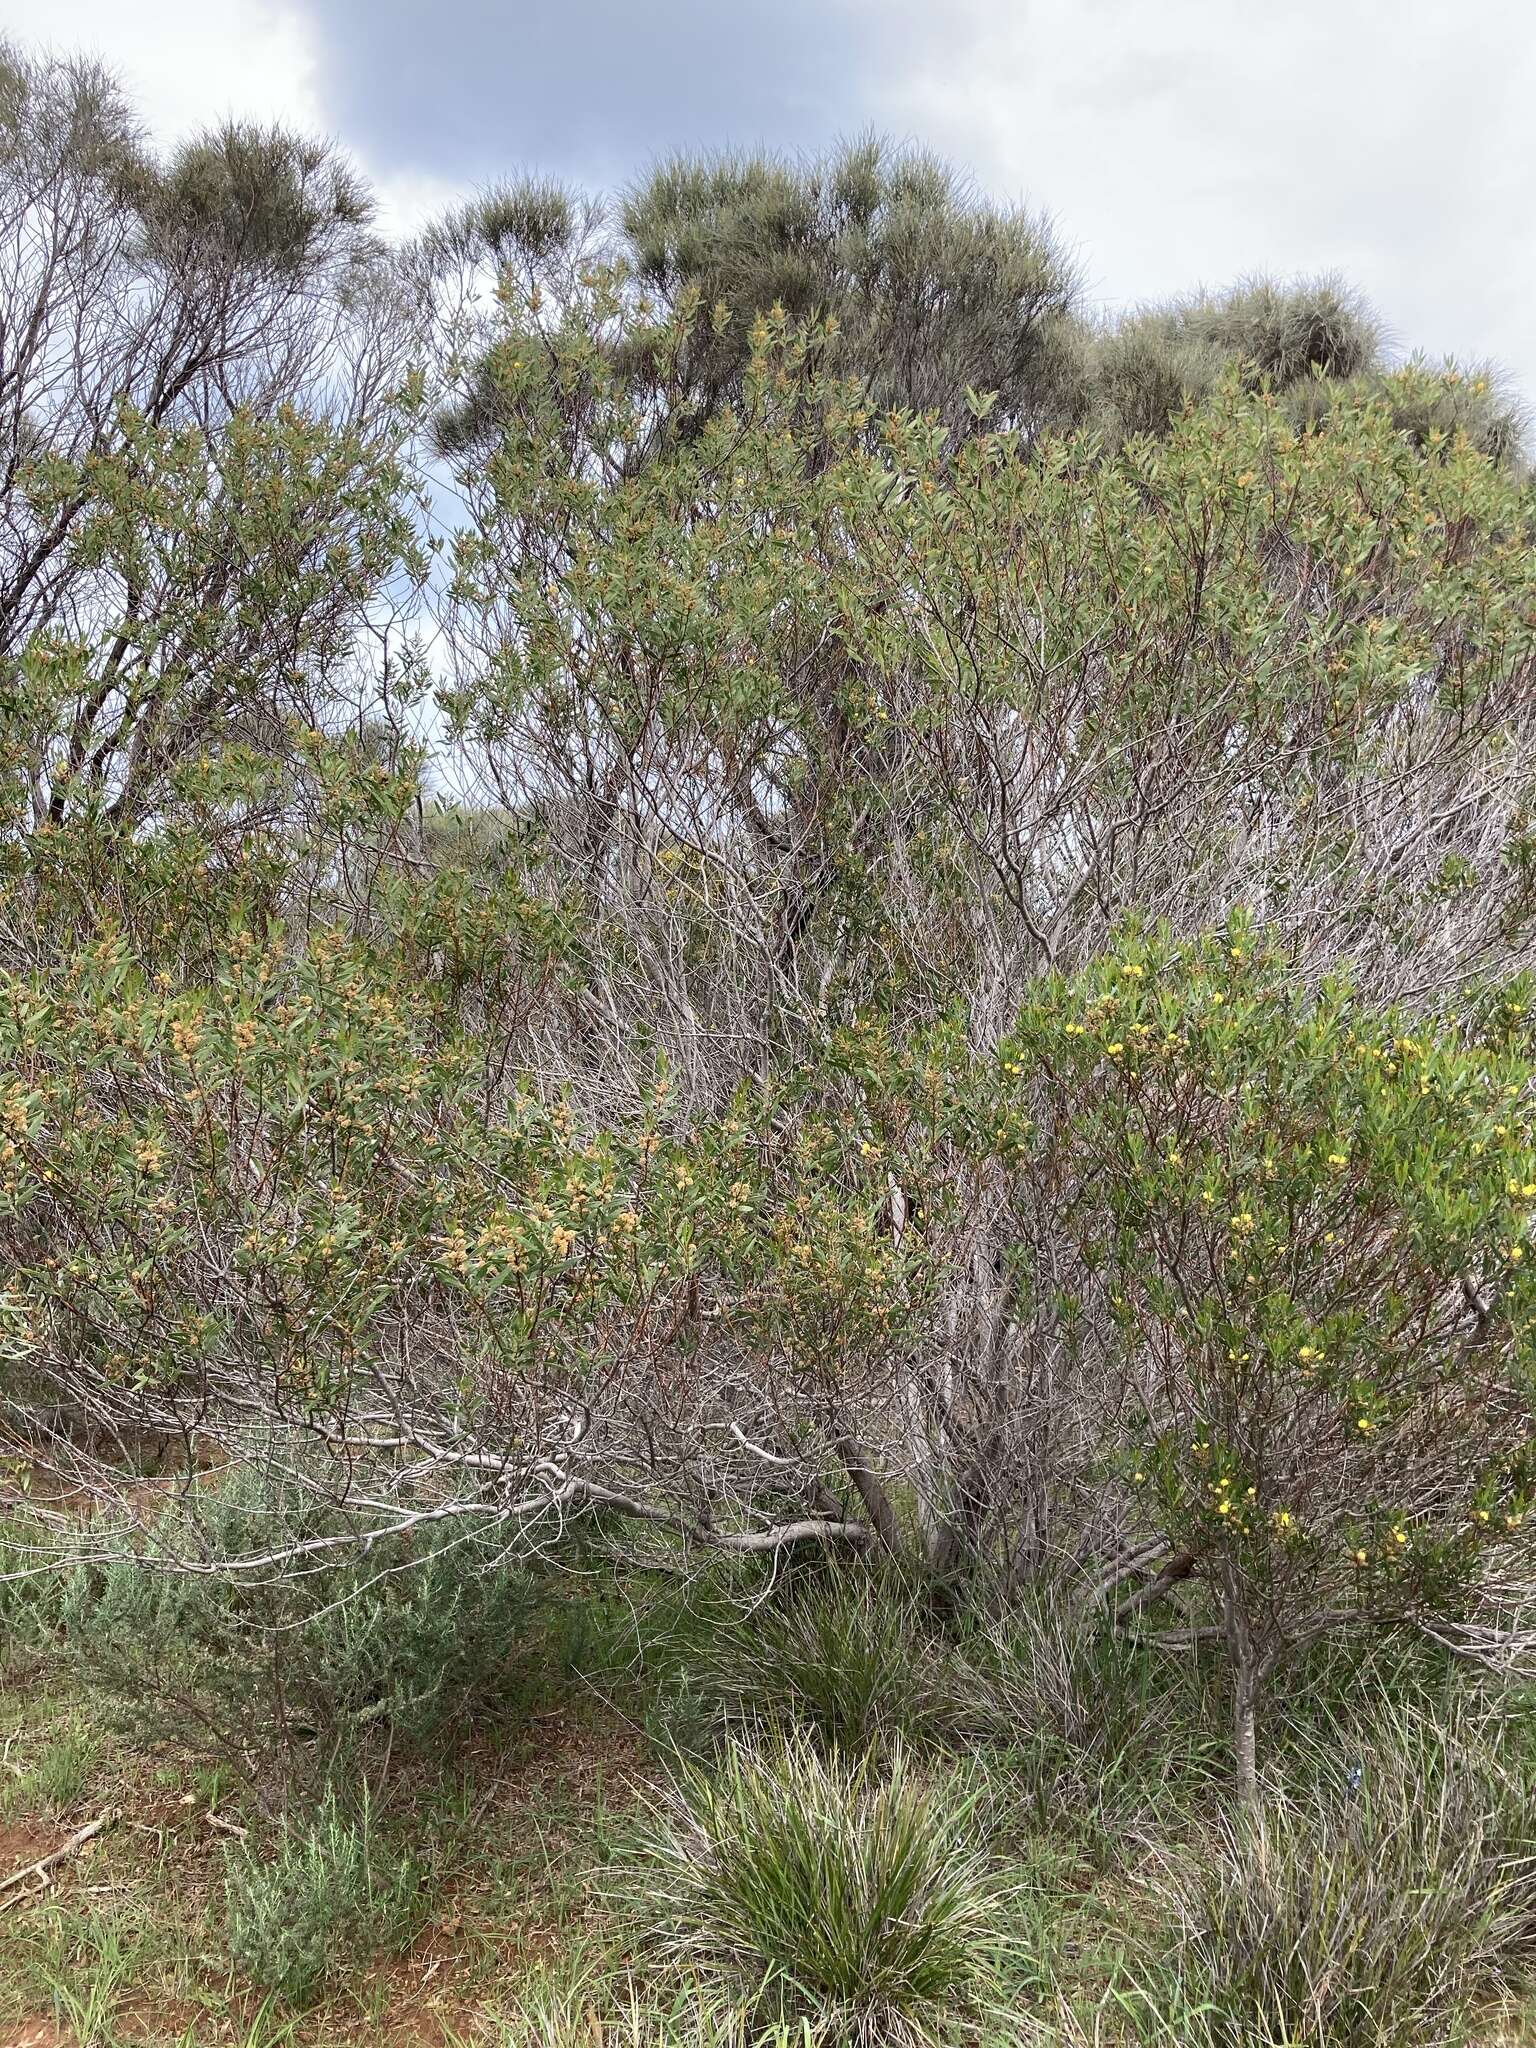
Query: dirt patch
column 149, row 2016
column 37, row 2034
column 568, row 1749
column 21, row 1843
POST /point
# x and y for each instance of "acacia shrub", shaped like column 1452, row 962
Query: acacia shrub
column 1299, row 1231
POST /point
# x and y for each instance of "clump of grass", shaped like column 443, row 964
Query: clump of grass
column 1096, row 1725
column 850, row 1656
column 1370, row 1909
column 578, row 2003
column 325, row 1892
column 84, row 1963
column 63, row 1771
column 855, row 1899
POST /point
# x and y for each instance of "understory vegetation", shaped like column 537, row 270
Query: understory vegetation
column 767, row 1125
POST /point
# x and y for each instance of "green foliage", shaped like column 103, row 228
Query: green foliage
column 406, row 1645
column 857, row 1899
column 1304, row 1228
column 823, row 1084
column 327, row 1890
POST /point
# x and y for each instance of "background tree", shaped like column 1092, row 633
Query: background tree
column 916, row 286
column 163, row 325
column 1310, row 343
column 931, row 290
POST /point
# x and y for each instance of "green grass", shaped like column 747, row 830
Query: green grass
column 320, row 1891
column 1371, row 1908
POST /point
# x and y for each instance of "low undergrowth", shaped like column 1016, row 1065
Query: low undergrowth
column 742, row 1811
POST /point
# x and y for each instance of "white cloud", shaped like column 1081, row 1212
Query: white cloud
column 188, row 63
column 1186, row 142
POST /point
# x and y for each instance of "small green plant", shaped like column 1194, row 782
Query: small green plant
column 325, row 1892
column 59, row 1777
column 1368, row 1909
column 858, row 1901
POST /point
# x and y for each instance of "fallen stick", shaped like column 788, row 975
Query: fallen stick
column 11, row 1887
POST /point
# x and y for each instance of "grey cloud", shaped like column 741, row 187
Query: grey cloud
column 468, row 90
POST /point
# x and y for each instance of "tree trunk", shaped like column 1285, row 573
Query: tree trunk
column 1249, row 1668
column 1245, row 1750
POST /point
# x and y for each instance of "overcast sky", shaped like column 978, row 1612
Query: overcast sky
column 1175, row 142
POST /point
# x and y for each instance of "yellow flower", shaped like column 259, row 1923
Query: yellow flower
column 1114, row 1049
column 1359, row 1557
column 1132, row 972
column 1363, row 1424
column 1308, row 1352
column 1243, row 1220
column 1337, row 1159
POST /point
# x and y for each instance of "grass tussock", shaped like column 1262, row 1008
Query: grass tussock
column 1373, row 1907
column 850, row 1657
column 854, row 1898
